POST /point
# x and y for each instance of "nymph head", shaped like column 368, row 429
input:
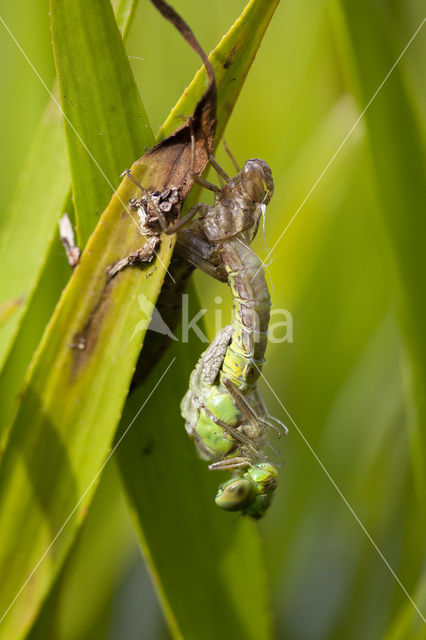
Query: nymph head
column 250, row 493
column 256, row 181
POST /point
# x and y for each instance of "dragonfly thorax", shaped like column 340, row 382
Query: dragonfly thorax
column 239, row 205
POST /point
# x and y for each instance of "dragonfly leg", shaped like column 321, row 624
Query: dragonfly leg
column 198, row 179
column 252, row 418
column 222, row 173
column 206, row 184
column 251, row 415
column 143, row 255
column 237, row 435
column 231, row 155
column 230, row 463
column 175, row 226
column 270, row 418
column 273, row 449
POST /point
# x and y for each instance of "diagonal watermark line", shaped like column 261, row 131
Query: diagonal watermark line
column 345, row 139
column 342, row 496
column 86, row 491
column 98, row 166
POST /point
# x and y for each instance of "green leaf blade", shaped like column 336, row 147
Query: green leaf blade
column 31, row 220
column 31, row 223
column 231, row 61
column 66, row 419
column 397, row 153
column 105, row 121
column 53, row 455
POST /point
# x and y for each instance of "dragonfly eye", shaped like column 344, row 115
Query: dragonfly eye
column 235, row 495
column 258, row 507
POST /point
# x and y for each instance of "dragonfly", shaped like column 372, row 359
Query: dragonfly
column 223, row 409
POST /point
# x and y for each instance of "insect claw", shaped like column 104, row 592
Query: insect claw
column 231, row 155
column 183, row 117
column 282, row 425
column 128, row 173
column 271, row 446
column 221, row 172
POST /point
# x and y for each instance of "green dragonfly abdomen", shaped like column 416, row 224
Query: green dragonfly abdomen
column 244, row 356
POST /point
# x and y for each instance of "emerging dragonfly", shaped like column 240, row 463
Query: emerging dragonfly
column 223, row 409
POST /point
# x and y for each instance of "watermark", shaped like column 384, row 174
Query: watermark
column 280, row 328
column 151, row 320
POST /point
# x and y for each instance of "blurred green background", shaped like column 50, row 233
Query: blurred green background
column 346, row 378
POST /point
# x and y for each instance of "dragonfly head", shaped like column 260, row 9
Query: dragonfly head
column 251, row 493
column 256, row 181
